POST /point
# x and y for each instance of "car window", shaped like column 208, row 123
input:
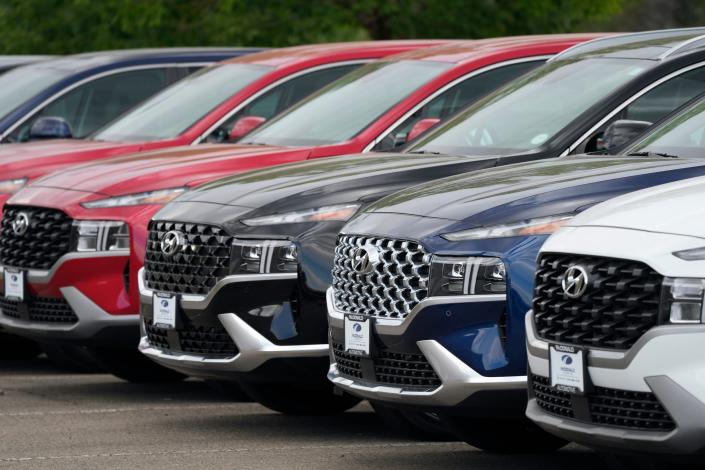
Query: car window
column 176, row 109
column 454, row 99
column 23, row 83
column 532, row 110
column 346, row 107
column 282, row 97
column 96, row 103
column 653, row 105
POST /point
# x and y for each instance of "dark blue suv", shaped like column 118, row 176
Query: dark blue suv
column 90, row 90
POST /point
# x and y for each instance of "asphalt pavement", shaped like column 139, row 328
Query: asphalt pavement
column 53, row 419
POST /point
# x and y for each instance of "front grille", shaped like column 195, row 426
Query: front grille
column 620, row 304
column 606, row 406
column 397, row 283
column 40, row 310
column 410, row 371
column 47, row 238
column 210, row 341
column 193, row 270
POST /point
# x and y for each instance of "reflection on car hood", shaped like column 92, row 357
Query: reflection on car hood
column 520, row 192
column 167, row 168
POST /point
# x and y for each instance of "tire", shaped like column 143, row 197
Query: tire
column 72, row 358
column 132, row 366
column 17, row 347
column 229, row 390
column 419, row 426
column 504, row 436
column 298, row 399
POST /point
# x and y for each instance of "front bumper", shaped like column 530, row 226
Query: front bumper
column 666, row 362
column 91, row 284
column 459, row 382
column 253, row 348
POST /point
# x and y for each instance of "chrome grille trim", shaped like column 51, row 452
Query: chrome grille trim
column 396, row 284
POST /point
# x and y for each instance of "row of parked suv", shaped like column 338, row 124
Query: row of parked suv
column 202, row 233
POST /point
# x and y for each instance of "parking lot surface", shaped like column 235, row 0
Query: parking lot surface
column 53, row 419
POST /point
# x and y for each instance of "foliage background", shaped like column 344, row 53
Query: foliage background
column 68, row 26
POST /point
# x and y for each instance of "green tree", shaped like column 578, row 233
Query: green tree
column 68, row 26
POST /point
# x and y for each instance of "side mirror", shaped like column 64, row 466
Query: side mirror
column 622, row 131
column 420, row 127
column 46, row 128
column 244, row 126
column 50, row 128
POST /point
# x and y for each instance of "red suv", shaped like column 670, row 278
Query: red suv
column 73, row 242
column 220, row 103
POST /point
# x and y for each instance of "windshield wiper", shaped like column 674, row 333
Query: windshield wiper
column 425, row 152
column 646, row 153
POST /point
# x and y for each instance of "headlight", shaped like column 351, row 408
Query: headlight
column 683, row 300
column 340, row 212
column 101, row 235
column 539, row 226
column 451, row 275
column 161, row 196
column 694, row 254
column 12, row 186
column 263, row 256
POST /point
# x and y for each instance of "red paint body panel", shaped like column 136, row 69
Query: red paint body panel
column 190, row 166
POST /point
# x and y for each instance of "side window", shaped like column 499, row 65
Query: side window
column 451, row 101
column 96, row 103
column 279, row 99
column 654, row 104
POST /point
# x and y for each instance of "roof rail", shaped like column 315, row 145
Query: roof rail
column 683, row 47
column 588, row 44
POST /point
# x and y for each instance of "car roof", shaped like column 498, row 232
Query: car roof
column 287, row 56
column 7, row 61
column 650, row 45
column 86, row 61
column 468, row 50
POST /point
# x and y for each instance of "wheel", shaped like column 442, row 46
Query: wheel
column 72, row 358
column 505, row 436
column 17, row 347
column 133, row 366
column 420, row 426
column 299, row 399
column 230, row 390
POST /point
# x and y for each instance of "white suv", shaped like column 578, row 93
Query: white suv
column 616, row 337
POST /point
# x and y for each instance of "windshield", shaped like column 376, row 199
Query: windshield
column 174, row 110
column 346, row 107
column 21, row 84
column 682, row 136
column 533, row 109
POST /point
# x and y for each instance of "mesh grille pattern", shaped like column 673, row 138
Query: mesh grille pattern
column 607, row 406
column 47, row 239
column 554, row 401
column 41, row 310
column 411, row 371
column 397, row 283
column 194, row 270
column 211, row 341
column 620, row 304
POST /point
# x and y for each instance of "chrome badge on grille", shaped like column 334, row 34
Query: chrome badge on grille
column 21, row 224
column 172, row 242
column 575, row 281
column 365, row 259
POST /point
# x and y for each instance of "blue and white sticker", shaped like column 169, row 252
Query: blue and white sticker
column 567, row 368
column 164, row 310
column 357, row 335
column 14, row 285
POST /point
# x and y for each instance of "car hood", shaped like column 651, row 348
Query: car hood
column 524, row 191
column 669, row 208
column 35, row 159
column 324, row 181
column 167, row 168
